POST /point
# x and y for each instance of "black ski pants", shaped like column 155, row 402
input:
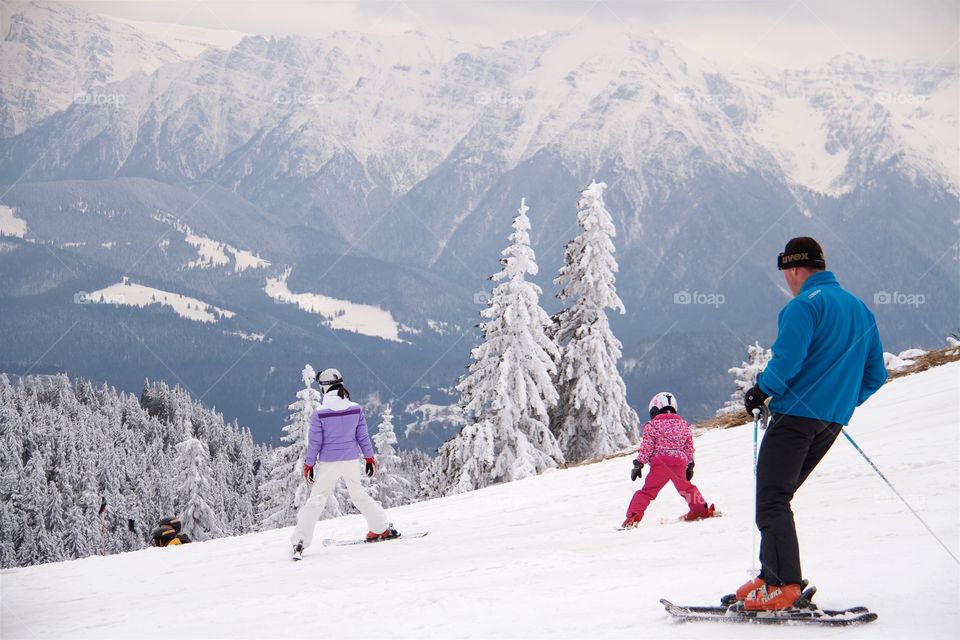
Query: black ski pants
column 791, row 449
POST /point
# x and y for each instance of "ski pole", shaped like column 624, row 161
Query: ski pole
column 103, row 526
column 902, row 499
column 756, row 429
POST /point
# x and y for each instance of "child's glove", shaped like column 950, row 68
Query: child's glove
column 637, row 471
column 689, row 472
column 371, row 467
column 308, row 473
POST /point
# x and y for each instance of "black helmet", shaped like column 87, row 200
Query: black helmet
column 172, row 521
column 163, row 535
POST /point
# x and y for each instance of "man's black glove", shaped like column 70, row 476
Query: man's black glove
column 753, row 399
column 637, row 470
column 689, row 472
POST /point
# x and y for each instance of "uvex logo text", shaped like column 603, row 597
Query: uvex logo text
column 793, row 257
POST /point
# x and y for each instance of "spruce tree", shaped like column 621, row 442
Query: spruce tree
column 286, row 491
column 593, row 417
column 389, row 486
column 198, row 517
column 508, row 392
column 745, row 376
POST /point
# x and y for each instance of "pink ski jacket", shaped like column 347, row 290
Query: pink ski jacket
column 666, row 435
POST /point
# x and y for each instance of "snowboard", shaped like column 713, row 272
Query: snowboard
column 331, row 542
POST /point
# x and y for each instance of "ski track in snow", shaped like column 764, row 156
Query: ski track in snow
column 540, row 558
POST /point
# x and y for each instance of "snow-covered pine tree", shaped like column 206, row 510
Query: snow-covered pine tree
column 52, row 480
column 389, row 486
column 592, row 417
column 286, row 491
column 745, row 376
column 509, row 392
column 200, row 521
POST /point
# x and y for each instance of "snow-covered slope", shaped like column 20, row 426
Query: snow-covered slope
column 10, row 224
column 540, row 558
column 127, row 293
column 366, row 319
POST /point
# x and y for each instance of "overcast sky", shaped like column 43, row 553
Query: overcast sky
column 787, row 33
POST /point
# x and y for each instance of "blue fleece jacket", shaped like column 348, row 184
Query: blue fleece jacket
column 827, row 359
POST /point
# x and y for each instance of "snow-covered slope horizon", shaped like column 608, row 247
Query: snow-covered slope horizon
column 540, row 558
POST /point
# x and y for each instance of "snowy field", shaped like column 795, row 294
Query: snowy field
column 366, row 319
column 138, row 295
column 540, row 558
column 10, row 224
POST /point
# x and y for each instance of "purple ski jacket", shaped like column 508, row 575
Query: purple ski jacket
column 338, row 431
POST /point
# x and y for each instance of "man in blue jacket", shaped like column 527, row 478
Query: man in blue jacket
column 827, row 360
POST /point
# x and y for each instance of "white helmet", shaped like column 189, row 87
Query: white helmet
column 327, row 378
column 661, row 403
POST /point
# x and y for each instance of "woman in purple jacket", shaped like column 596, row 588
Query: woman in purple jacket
column 338, row 433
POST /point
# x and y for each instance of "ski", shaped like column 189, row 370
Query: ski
column 717, row 514
column 723, row 609
column 806, row 600
column 805, row 613
column 331, row 542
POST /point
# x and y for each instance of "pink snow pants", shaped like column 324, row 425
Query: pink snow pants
column 664, row 469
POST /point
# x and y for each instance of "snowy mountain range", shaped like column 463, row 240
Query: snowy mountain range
column 590, row 581
column 382, row 171
column 55, row 54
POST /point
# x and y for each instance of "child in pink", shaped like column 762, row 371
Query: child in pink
column 667, row 447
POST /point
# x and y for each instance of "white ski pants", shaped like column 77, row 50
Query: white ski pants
column 326, row 475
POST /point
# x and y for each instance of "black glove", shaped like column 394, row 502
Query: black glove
column 371, row 467
column 637, row 470
column 753, row 399
column 689, row 472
